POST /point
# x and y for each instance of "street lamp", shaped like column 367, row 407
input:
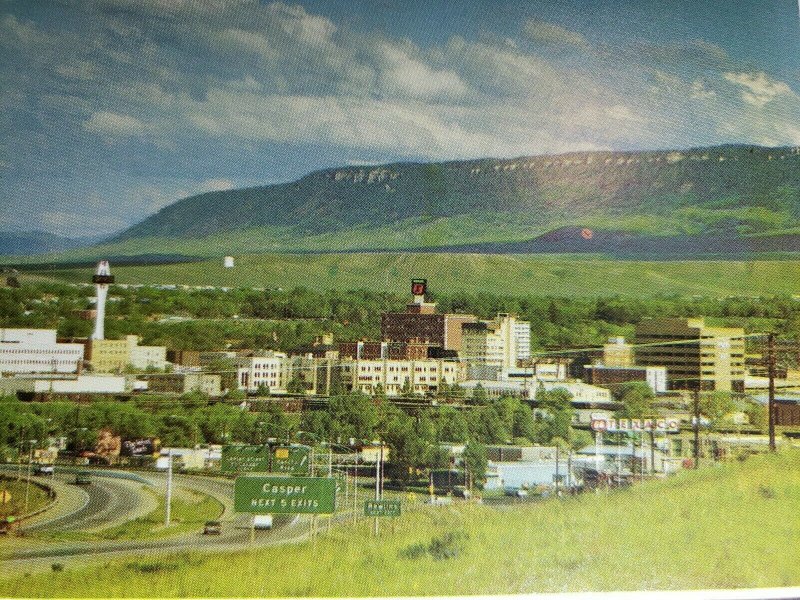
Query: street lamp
column 31, row 444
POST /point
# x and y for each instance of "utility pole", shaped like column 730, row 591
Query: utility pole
column 771, row 403
column 696, row 428
column 169, row 489
column 378, row 484
column 652, row 451
column 556, row 477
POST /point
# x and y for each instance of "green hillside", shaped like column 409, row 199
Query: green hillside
column 744, row 190
column 561, row 275
column 729, row 526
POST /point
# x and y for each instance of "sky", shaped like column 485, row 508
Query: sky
column 112, row 109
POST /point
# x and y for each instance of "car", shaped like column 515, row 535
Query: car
column 262, row 521
column 43, row 470
column 516, row 492
column 460, row 491
column 212, row 528
column 83, row 478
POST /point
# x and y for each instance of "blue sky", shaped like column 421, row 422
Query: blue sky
column 112, row 109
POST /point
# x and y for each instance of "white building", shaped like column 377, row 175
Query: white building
column 80, row 384
column 582, row 393
column 418, row 376
column 522, row 339
column 497, row 344
column 37, row 351
column 272, row 369
column 144, row 357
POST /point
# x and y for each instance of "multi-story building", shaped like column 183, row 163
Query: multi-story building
column 182, row 383
column 696, row 356
column 494, row 344
column 374, row 350
column 422, row 324
column 616, row 353
column 37, row 351
column 395, row 376
column 270, row 369
column 522, row 339
column 613, row 377
column 114, row 356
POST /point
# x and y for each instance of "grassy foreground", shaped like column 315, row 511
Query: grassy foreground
column 557, row 275
column 12, row 497
column 729, row 526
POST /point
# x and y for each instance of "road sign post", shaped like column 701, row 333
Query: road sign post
column 245, row 459
column 292, row 460
column 285, row 495
column 382, row 508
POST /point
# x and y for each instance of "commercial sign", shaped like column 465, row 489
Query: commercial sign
column 284, row 495
column 382, row 508
column 419, row 287
column 603, row 424
column 292, row 460
column 245, row 459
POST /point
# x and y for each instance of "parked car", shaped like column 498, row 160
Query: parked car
column 460, row 491
column 212, row 528
column 83, row 478
column 516, row 492
column 43, row 470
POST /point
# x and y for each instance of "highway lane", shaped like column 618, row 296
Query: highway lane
column 235, row 531
column 107, row 502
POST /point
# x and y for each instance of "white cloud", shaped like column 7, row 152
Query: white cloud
column 546, row 33
column 407, row 76
column 114, row 124
column 700, row 92
column 760, row 89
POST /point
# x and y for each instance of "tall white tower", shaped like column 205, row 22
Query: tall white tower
column 101, row 279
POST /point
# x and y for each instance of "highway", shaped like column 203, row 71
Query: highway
column 108, row 502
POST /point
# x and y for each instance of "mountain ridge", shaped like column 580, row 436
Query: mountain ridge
column 735, row 189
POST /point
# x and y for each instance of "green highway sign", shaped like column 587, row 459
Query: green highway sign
column 245, row 459
column 284, row 495
column 382, row 508
column 292, row 460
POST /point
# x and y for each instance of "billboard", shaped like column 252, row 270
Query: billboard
column 285, row 495
column 419, row 287
column 603, row 424
column 245, row 459
column 142, row 447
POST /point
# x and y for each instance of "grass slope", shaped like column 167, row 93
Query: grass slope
column 727, row 526
column 558, row 275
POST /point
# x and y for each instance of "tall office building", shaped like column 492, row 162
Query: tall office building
column 696, row 356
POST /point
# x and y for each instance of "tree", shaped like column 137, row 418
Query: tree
column 476, row 462
column 757, row 414
column 716, row 406
column 352, row 416
column 479, row 396
column 451, row 426
column 263, row 390
column 556, row 422
column 296, row 385
column 637, row 400
column 408, row 450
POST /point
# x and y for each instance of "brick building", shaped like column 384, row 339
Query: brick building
column 421, row 323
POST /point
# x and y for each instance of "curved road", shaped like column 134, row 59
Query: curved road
column 109, row 501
